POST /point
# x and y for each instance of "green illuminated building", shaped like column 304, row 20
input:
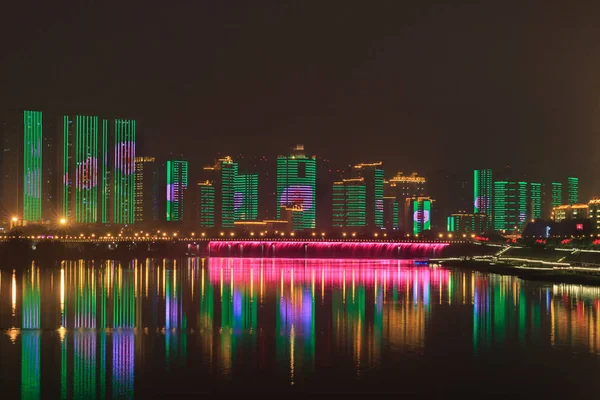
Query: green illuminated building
column 96, row 170
column 573, row 190
column 557, row 194
column 510, row 205
column 372, row 173
column 535, row 203
column 229, row 171
column 21, row 165
column 79, row 168
column 205, row 197
column 483, row 193
column 245, row 202
column 417, row 214
column 466, row 223
column 296, row 187
column 349, row 203
column 124, row 171
column 177, row 182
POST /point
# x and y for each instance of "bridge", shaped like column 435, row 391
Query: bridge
column 241, row 247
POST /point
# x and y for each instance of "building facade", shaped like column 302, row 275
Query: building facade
column 123, row 172
column 349, row 204
column 572, row 190
column 373, row 180
column 570, row 211
column 177, row 183
column 21, row 166
column 147, row 191
column 205, row 204
column 296, row 187
column 510, row 205
column 483, row 192
column 463, row 222
column 418, row 214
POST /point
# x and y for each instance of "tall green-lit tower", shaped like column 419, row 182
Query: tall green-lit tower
column 229, row 171
column 535, row 203
column 510, row 205
column 177, row 182
column 21, row 166
column 372, row 174
column 483, row 194
column 573, row 190
column 296, row 187
column 124, row 171
column 245, row 201
column 79, row 152
column 557, row 194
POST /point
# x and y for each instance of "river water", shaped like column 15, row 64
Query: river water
column 197, row 326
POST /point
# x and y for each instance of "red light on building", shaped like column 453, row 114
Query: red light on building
column 579, row 227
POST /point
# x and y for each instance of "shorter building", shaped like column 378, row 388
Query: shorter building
column 349, row 203
column 463, row 222
column 417, row 214
column 570, row 212
column 267, row 227
column 205, row 204
column 594, row 212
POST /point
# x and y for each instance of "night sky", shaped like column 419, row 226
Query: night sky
column 420, row 85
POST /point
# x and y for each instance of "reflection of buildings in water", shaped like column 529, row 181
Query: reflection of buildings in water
column 84, row 364
column 31, row 298
column 504, row 311
column 575, row 316
column 123, row 362
column 294, row 327
column 175, row 318
column 30, row 365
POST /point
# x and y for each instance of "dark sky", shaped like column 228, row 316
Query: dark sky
column 420, row 85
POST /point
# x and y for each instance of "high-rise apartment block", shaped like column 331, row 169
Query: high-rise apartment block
column 147, row 191
column 572, row 190
column 483, row 191
column 510, row 205
column 177, row 183
column 296, row 187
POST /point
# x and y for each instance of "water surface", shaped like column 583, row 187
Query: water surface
column 196, row 326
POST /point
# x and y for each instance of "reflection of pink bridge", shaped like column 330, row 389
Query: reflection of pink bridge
column 325, row 249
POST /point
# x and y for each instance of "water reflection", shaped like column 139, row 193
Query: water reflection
column 113, row 330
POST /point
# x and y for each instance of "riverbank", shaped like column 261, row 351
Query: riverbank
column 549, row 275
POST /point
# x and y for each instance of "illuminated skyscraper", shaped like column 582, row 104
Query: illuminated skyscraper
column 372, row 173
column 557, row 194
column 124, row 171
column 229, row 170
column 482, row 193
column 296, row 187
column 97, row 169
column 205, row 204
column 146, row 190
column 245, row 202
column 535, row 203
column 177, row 182
column 510, row 205
column 573, row 188
column 417, row 214
column 80, row 169
column 21, row 168
column 349, row 203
